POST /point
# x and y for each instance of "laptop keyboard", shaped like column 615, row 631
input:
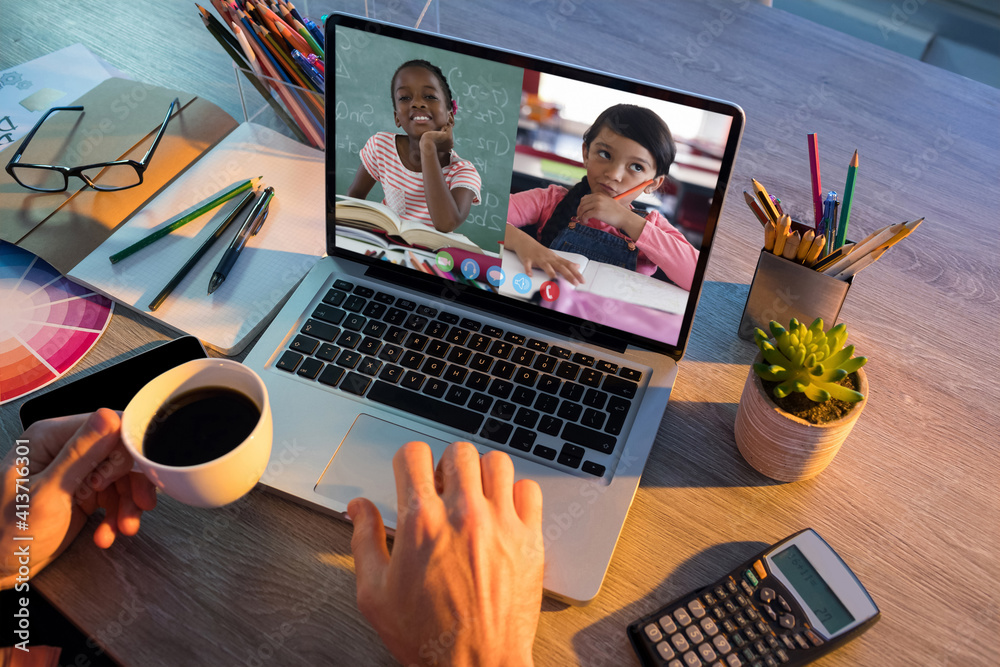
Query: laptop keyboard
column 543, row 401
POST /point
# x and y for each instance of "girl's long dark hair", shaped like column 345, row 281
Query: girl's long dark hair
column 632, row 122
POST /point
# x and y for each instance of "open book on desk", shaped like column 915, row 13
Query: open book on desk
column 607, row 280
column 374, row 219
column 273, row 262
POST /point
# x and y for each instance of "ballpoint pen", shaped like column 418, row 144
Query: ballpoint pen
column 250, row 228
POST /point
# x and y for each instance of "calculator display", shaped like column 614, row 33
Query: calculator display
column 813, row 589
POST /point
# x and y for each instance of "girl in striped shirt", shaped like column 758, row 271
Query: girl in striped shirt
column 424, row 179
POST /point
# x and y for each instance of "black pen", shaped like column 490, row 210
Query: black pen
column 175, row 281
column 250, row 228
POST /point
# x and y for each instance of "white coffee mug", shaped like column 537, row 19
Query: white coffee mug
column 219, row 481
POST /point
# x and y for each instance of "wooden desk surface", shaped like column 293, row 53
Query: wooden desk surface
column 910, row 502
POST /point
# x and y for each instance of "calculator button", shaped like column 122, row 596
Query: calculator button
column 801, row 641
column 787, row 641
column 760, row 646
column 763, row 629
column 668, row 625
column 782, row 656
column 737, row 639
column 749, row 654
column 709, row 599
column 691, row 659
column 653, row 632
column 706, row 653
column 758, row 567
column 787, row 621
column 752, row 613
column 730, row 607
column 784, row 604
column 750, row 634
column 728, row 626
column 675, row 663
column 751, row 578
column 709, row 626
column 769, row 661
column 741, row 601
column 772, row 642
column 682, row 617
column 770, row 612
column 720, row 592
column 718, row 613
column 694, row 634
column 766, row 594
column 813, row 637
column 679, row 642
column 746, row 587
column 665, row 651
column 733, row 660
column 742, row 620
column 697, row 608
column 721, row 645
column 731, row 586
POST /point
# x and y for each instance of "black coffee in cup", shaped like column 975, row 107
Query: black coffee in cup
column 199, row 426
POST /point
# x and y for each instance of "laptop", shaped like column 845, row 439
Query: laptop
column 447, row 337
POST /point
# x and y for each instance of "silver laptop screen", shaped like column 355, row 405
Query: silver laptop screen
column 560, row 192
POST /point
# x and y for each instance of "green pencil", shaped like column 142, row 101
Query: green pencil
column 845, row 208
column 180, row 222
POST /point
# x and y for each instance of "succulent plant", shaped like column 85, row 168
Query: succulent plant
column 808, row 360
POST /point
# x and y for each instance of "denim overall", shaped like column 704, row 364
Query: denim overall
column 596, row 245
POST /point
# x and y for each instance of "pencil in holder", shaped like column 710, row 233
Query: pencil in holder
column 782, row 289
column 292, row 110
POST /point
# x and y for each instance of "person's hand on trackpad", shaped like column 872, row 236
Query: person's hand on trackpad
column 463, row 585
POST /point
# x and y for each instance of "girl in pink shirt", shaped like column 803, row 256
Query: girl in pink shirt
column 423, row 178
column 628, row 146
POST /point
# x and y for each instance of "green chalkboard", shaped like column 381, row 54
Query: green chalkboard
column 489, row 100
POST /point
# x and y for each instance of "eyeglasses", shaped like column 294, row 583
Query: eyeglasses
column 103, row 176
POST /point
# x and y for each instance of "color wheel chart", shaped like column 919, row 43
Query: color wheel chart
column 47, row 322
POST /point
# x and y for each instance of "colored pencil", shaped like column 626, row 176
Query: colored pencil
column 765, row 201
column 752, row 203
column 845, row 210
column 184, row 219
column 632, row 191
column 817, row 188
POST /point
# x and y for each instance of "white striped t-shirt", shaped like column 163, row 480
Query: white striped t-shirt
column 404, row 189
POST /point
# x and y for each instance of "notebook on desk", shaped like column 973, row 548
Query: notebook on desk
column 367, row 354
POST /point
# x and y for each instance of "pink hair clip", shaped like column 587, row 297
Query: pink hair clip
column 454, row 106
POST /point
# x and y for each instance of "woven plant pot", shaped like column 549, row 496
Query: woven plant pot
column 785, row 447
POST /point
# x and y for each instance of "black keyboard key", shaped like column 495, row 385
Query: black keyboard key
column 457, row 395
column 570, row 456
column 630, row 374
column 500, row 349
column 457, row 336
column 416, row 342
column 503, row 410
column 471, row 325
column 426, row 406
column 571, row 391
column 387, row 299
column 355, row 303
column 355, row 322
column 411, row 359
column 331, row 375
column 615, row 424
column 537, row 345
column 480, row 402
column 349, row 339
column 369, row 365
column 588, row 437
column 335, row 297
column 527, row 418
column 500, row 388
column 523, row 439
column 405, row 304
column 343, row 285
column 478, row 381
column 592, row 418
column 560, row 352
column 525, row 376
column 328, row 352
column 479, row 343
column 395, row 335
column 522, row 356
column 375, row 328
column 459, row 355
column 289, row 361
column 593, row 468
column 456, row 374
column 304, row 344
column 415, row 322
column 545, row 452
column 570, row 410
column 546, row 403
column 620, row 387
column 545, row 363
column 437, row 329
column 366, row 292
column 395, row 316
column 427, row 311
column 590, row 377
column 595, row 398
column 370, row 346
column 607, row 367
column 320, row 330
column 374, row 309
column 391, row 373
column 496, row 431
column 481, row 362
column 583, row 359
column 413, row 381
column 310, row 368
column 435, row 387
column 348, row 359
column 568, row 370
column 515, row 338
column 390, row 353
column 329, row 314
column 550, row 425
column 437, row 348
column 355, row 383
column 504, row 369
column 549, row 384
column 433, row 367
column 523, row 395
column 494, row 332
column 448, row 318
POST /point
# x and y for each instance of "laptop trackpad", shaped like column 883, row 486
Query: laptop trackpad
column 362, row 465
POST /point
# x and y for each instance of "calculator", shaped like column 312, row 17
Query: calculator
column 795, row 601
